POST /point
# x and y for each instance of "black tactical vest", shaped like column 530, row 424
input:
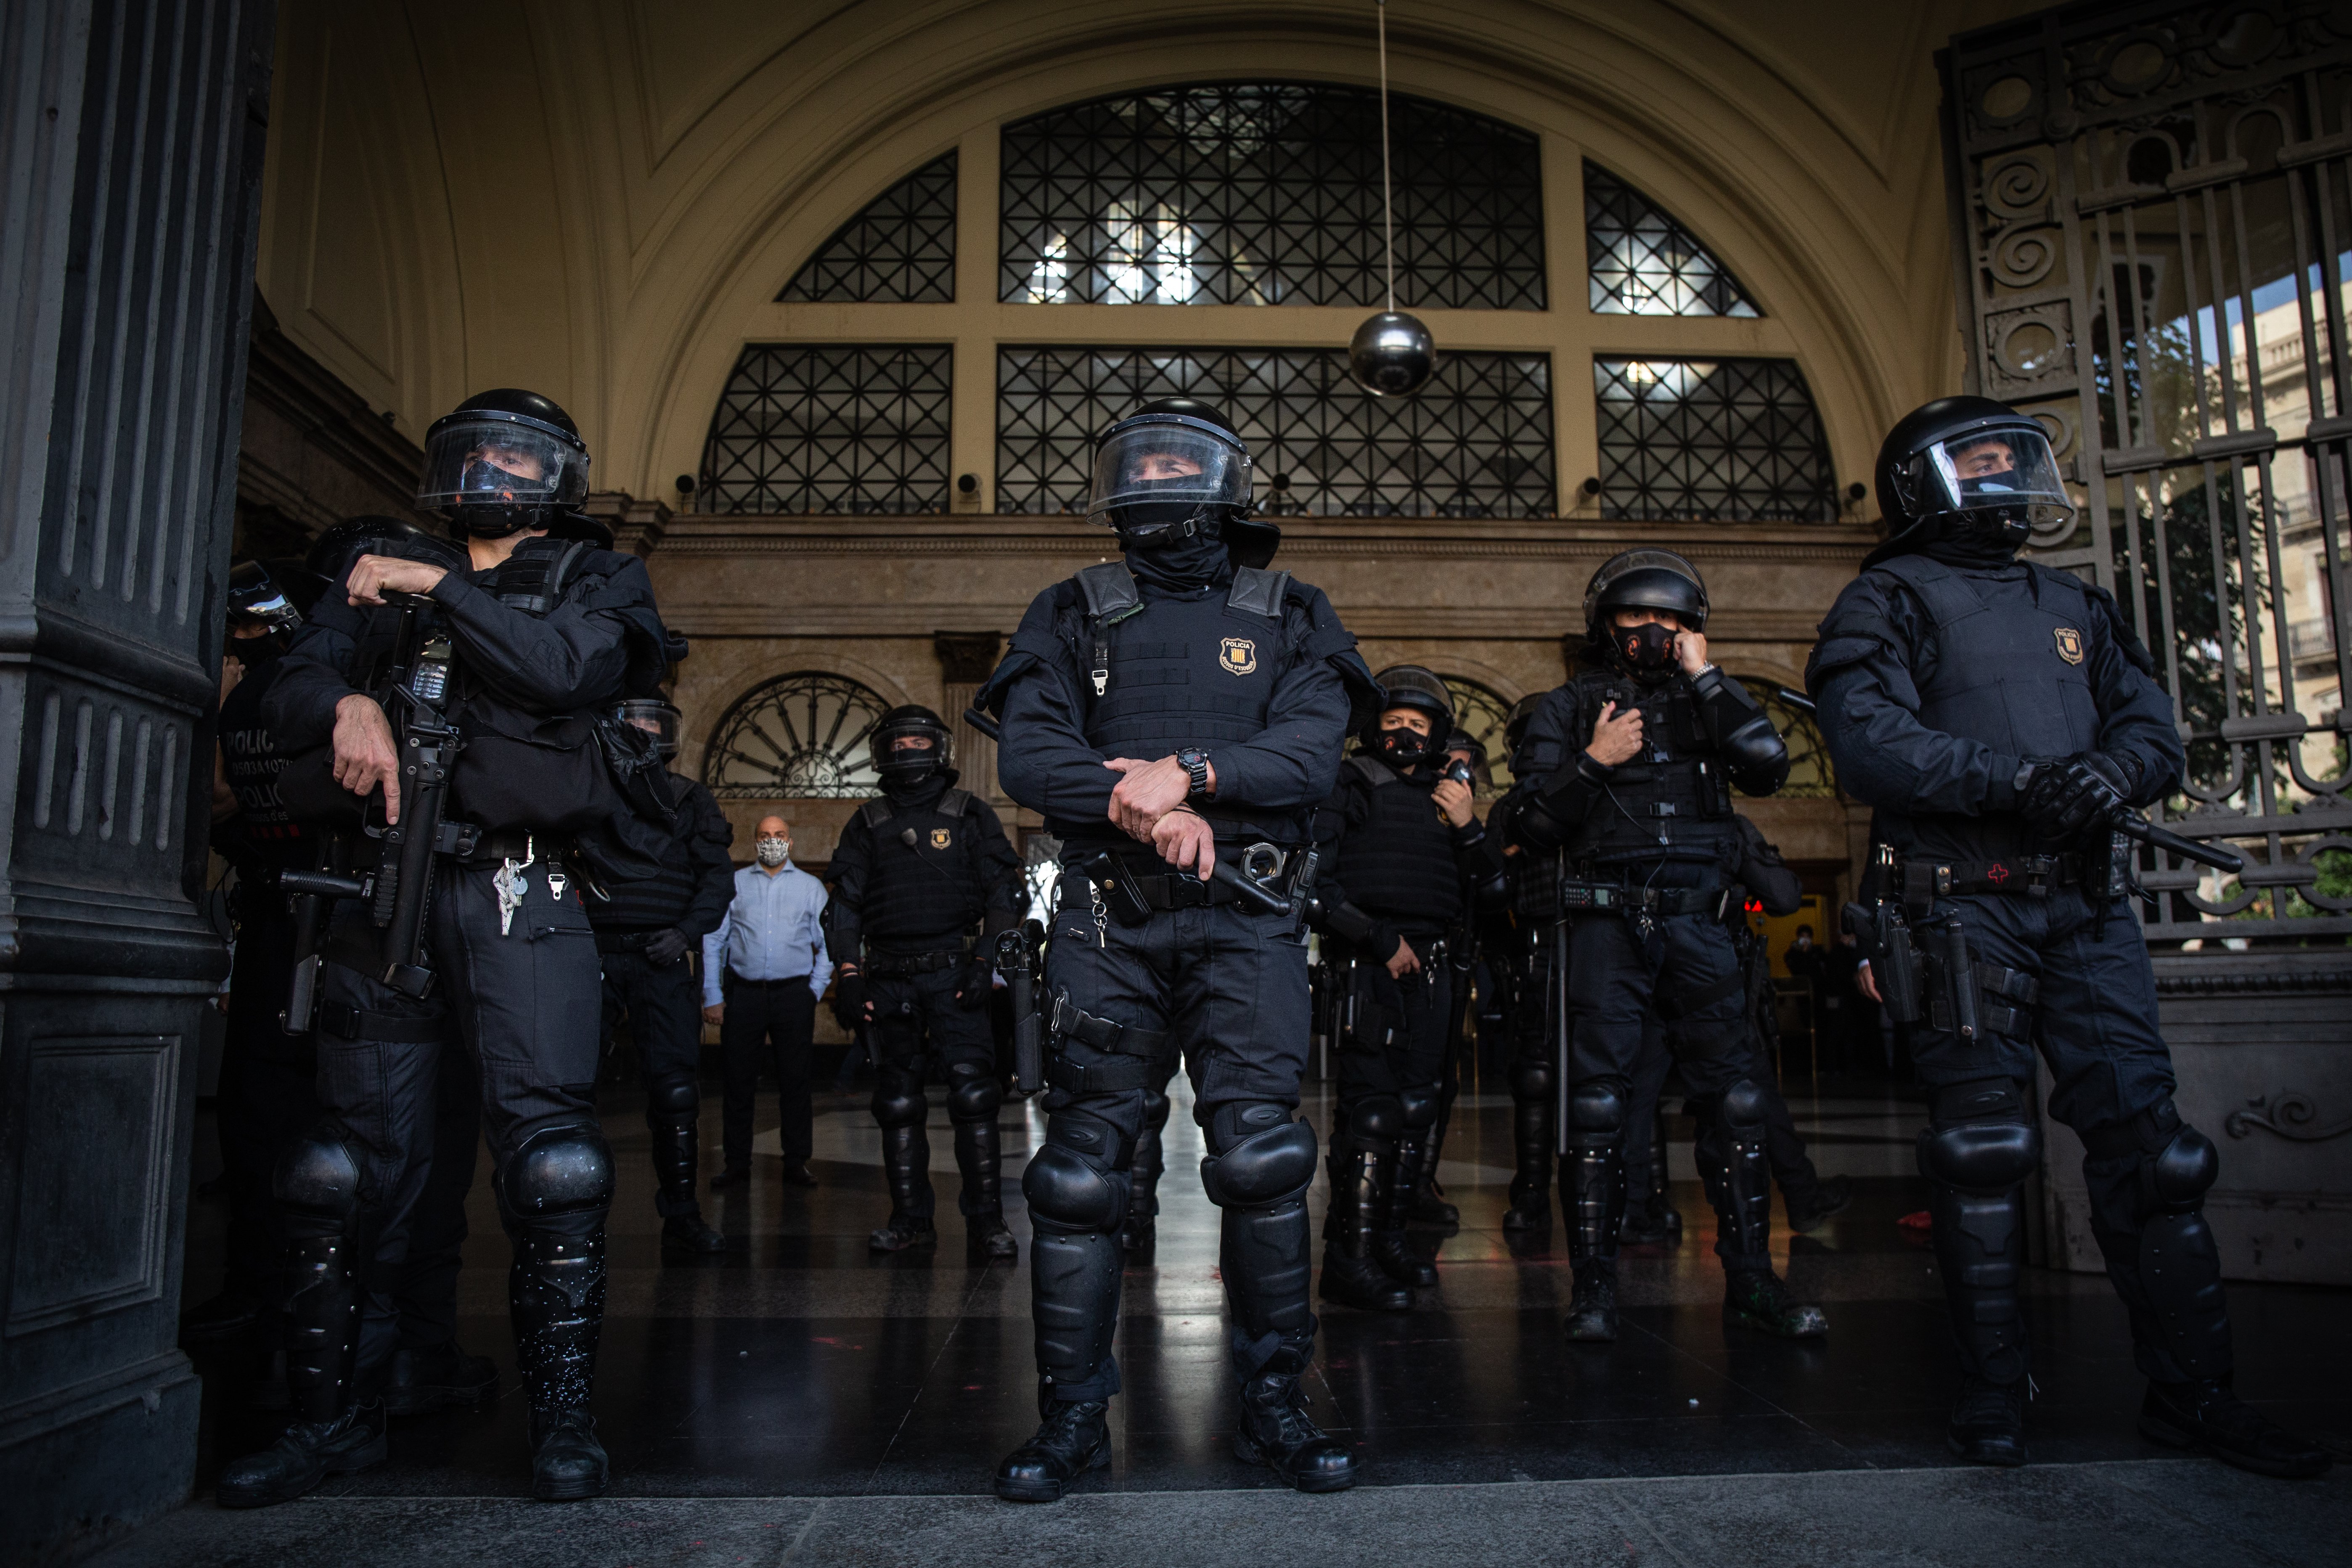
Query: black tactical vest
column 1534, row 878
column 1670, row 802
column 1399, row 864
column 923, row 884
column 658, row 897
column 263, row 834
column 1171, row 673
column 2012, row 671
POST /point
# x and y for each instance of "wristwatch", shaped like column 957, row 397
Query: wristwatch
column 1195, row 762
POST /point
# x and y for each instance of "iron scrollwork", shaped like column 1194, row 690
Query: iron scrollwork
column 2290, row 1113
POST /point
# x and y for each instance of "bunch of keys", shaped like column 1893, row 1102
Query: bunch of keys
column 512, row 884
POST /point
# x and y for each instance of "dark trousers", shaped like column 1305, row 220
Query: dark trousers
column 1396, row 1048
column 921, row 1031
column 267, row 1095
column 2093, row 1022
column 767, row 1021
column 521, row 1004
column 662, row 1005
column 423, row 1287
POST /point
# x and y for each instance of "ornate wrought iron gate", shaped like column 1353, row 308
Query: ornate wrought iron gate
column 2152, row 211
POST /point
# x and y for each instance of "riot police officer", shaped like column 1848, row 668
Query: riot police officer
column 645, row 925
column 2000, row 718
column 1627, row 770
column 917, row 868
column 1402, row 842
column 265, row 1094
column 1172, row 713
column 524, row 632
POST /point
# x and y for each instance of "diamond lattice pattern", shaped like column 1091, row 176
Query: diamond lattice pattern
column 831, row 427
column 1643, row 263
column 1268, row 193
column 900, row 250
column 1733, row 440
column 1476, row 441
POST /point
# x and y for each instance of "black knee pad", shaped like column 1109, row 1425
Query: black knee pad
column 1598, row 1106
column 899, row 1101
column 1237, row 1121
column 1064, row 1190
column 2176, row 1177
column 318, row 1176
column 1741, row 1108
column 1532, row 1080
column 560, row 1170
column 1420, row 1101
column 974, row 1094
column 1979, row 1138
column 1274, row 1161
column 673, row 1101
column 1379, row 1119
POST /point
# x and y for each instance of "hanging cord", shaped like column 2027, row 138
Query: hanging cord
column 1387, row 202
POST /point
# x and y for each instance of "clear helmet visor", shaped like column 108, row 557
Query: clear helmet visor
column 496, row 462
column 1153, row 474
column 657, row 719
column 2009, row 470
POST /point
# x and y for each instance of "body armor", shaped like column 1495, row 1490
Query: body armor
column 1176, row 672
column 2011, row 671
column 1398, row 865
column 1673, row 801
column 662, row 896
column 923, row 888
column 263, row 832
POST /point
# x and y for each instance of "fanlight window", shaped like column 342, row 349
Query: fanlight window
column 801, row 736
column 831, row 427
column 1480, row 714
column 1733, row 440
column 900, row 250
column 1643, row 263
column 1267, row 194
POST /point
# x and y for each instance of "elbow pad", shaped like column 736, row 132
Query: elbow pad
column 1756, row 756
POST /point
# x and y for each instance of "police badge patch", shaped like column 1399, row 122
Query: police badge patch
column 2070, row 645
column 942, row 837
column 1238, row 655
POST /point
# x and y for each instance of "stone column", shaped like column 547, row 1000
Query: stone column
column 966, row 659
column 131, row 144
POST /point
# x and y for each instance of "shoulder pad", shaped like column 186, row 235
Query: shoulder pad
column 955, row 802
column 1366, row 697
column 877, row 810
column 1258, row 591
column 2126, row 638
column 1109, row 590
column 1372, row 770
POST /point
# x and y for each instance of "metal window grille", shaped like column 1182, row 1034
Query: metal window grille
column 900, row 250
column 1268, row 193
column 1733, row 440
column 831, row 427
column 807, row 735
column 1810, row 777
column 2155, row 228
column 1481, row 713
column 1476, row 441
column 1643, row 263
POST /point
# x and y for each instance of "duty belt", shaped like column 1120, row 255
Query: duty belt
column 1067, row 1020
column 1920, row 883
column 1613, row 897
column 1181, row 891
column 626, row 941
column 892, row 965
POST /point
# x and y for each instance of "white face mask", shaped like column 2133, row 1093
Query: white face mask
column 775, row 851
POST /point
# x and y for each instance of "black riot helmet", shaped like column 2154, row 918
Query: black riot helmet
column 915, row 764
column 1967, row 466
column 502, row 461
column 1644, row 580
column 332, row 552
column 1174, row 468
column 273, row 596
column 1419, row 688
column 1522, row 714
column 656, row 717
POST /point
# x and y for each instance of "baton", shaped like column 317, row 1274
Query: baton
column 2134, row 825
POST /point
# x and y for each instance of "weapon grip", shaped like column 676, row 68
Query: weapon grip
column 1018, row 960
column 1252, row 891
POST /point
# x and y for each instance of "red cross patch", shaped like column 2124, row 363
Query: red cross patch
column 1997, row 874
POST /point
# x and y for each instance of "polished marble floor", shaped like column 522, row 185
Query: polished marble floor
column 801, row 1365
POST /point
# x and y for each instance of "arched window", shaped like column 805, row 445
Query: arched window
column 800, row 736
column 1479, row 713
column 899, row 249
column 831, row 427
column 1267, row 194
column 1643, row 263
column 1810, row 774
column 1733, row 440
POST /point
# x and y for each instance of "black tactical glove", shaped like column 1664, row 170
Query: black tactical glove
column 2065, row 796
column 974, row 983
column 849, row 1001
column 666, row 947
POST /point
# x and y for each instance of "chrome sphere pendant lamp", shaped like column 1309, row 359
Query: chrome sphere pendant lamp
column 1391, row 353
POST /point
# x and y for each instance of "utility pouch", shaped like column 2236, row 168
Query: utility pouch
column 1885, row 940
column 1952, row 1005
column 1117, row 889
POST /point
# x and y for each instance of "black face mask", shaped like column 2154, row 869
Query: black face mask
column 1646, row 648
column 1174, row 564
column 1979, row 539
column 919, row 790
column 1402, row 748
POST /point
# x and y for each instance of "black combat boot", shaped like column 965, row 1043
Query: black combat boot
column 1592, row 1305
column 555, row 1292
column 1756, row 1299
column 1390, row 1249
column 1428, row 1205
column 683, row 1232
column 1730, row 1153
column 1073, row 1438
column 1988, row 1424
column 906, row 1154
column 305, row 1454
column 1592, row 1190
column 567, row 1463
column 426, row 1378
column 1350, row 1275
column 2206, row 1417
column 1277, row 1433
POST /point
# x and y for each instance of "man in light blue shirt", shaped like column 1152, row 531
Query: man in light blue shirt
column 762, row 972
